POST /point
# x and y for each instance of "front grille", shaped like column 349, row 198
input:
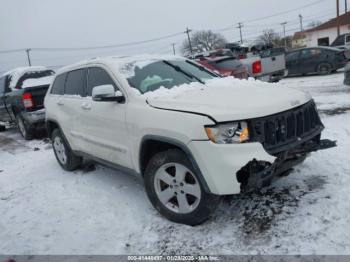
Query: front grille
column 292, row 127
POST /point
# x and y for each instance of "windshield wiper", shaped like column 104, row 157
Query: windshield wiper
column 179, row 69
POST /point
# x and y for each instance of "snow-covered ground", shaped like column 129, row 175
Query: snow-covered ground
column 45, row 210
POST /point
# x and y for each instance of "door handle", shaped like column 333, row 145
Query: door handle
column 85, row 106
column 60, row 103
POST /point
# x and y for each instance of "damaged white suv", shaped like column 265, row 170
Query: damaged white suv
column 191, row 134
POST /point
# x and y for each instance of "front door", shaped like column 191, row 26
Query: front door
column 103, row 123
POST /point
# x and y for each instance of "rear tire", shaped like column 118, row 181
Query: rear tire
column 324, row 69
column 24, row 128
column 64, row 155
column 175, row 190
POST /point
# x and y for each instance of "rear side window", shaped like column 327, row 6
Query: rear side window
column 292, row 56
column 58, row 85
column 347, row 39
column 339, row 41
column 98, row 77
column 75, row 83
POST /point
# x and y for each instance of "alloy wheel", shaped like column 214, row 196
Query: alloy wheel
column 177, row 188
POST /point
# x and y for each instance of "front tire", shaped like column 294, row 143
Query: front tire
column 64, row 155
column 175, row 190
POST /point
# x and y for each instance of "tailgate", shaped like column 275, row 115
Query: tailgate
column 272, row 64
column 38, row 94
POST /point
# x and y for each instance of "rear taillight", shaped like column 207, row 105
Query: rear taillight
column 27, row 100
column 256, row 67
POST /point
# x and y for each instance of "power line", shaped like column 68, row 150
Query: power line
column 272, row 15
column 284, row 12
column 53, row 49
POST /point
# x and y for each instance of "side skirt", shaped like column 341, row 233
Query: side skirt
column 107, row 163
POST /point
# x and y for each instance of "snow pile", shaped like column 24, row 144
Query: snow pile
column 17, row 73
column 218, row 83
column 37, row 81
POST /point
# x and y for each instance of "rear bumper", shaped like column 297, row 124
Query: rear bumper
column 34, row 117
column 274, row 77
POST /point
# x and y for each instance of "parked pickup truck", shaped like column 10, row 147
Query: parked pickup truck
column 22, row 93
column 342, row 42
column 193, row 136
column 267, row 65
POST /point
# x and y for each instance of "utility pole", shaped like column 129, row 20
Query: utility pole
column 28, row 56
column 301, row 23
column 338, row 21
column 284, row 33
column 174, row 48
column 346, row 6
column 240, row 25
column 188, row 31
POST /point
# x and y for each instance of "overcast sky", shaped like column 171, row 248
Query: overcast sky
column 85, row 23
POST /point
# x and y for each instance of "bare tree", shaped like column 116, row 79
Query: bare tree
column 313, row 24
column 203, row 41
column 269, row 37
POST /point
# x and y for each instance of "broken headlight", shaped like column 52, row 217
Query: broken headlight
column 236, row 132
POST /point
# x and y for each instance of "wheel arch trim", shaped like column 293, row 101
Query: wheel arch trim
column 178, row 144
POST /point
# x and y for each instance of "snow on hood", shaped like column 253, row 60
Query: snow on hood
column 37, row 81
column 227, row 99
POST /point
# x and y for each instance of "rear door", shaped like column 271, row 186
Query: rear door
column 103, row 123
column 292, row 62
column 309, row 60
column 4, row 115
column 66, row 97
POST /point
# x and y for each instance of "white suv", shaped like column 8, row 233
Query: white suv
column 192, row 135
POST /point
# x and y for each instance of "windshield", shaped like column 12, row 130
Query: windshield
column 168, row 74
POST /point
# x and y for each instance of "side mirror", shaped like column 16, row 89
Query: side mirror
column 106, row 93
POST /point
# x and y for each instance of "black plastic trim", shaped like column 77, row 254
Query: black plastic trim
column 180, row 145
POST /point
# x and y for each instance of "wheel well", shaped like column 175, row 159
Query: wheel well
column 150, row 147
column 51, row 126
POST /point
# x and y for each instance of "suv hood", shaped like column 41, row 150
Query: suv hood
column 228, row 99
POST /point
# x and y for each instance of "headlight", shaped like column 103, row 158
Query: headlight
column 236, row 132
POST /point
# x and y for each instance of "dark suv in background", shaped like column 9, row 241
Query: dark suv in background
column 320, row 60
column 22, row 93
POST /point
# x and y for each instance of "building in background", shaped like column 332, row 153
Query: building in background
column 324, row 34
column 299, row 40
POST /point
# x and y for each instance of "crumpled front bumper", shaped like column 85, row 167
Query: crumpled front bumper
column 258, row 174
column 231, row 169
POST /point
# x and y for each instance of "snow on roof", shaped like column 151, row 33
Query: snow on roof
column 37, row 81
column 17, row 73
column 342, row 20
column 123, row 64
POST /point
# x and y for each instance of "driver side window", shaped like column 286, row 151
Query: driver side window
column 97, row 77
